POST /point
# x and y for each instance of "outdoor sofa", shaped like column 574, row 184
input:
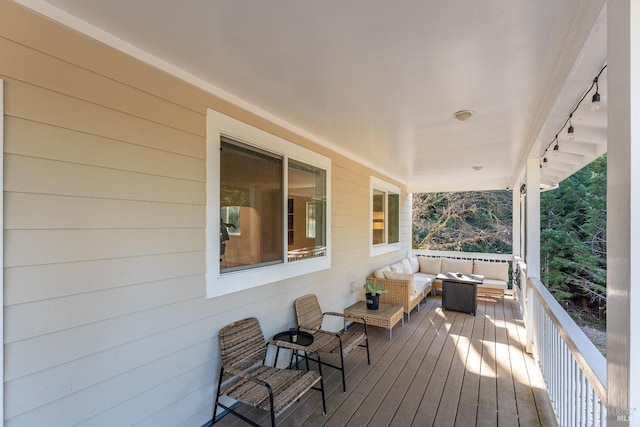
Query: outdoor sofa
column 413, row 278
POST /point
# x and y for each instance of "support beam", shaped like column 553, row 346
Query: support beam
column 533, row 218
column 515, row 221
column 532, row 240
column 623, row 213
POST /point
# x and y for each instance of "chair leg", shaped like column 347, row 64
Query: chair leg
column 366, row 340
column 324, row 404
column 215, row 405
column 344, row 383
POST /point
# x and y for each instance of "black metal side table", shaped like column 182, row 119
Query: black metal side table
column 460, row 291
column 293, row 341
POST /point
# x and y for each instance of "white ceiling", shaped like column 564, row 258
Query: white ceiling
column 379, row 80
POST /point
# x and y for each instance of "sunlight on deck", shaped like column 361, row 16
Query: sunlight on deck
column 443, row 368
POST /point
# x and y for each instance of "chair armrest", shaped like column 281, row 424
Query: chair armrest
column 321, row 331
column 245, row 376
column 346, row 316
column 333, row 313
column 289, row 345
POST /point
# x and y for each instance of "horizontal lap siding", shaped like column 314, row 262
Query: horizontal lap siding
column 106, row 322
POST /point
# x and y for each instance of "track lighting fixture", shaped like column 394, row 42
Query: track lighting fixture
column 556, row 149
column 545, row 163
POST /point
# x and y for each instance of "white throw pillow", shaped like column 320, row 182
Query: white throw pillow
column 379, row 273
column 415, row 264
column 406, row 266
column 429, row 265
column 451, row 265
column 492, row 270
column 397, row 267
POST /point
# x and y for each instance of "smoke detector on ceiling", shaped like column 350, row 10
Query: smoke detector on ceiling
column 463, row 115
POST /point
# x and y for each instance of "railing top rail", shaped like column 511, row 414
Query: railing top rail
column 590, row 360
column 467, row 255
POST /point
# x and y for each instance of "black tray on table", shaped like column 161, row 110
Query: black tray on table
column 304, row 338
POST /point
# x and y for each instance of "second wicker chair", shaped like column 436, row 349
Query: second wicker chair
column 309, row 317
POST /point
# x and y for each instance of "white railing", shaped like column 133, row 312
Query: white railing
column 464, row 255
column 573, row 369
column 480, row 256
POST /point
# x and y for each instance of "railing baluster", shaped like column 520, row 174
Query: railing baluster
column 572, row 368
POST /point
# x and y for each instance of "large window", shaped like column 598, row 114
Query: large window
column 385, row 217
column 267, row 203
column 251, row 179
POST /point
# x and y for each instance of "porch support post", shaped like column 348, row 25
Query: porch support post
column 532, row 239
column 515, row 219
column 623, row 213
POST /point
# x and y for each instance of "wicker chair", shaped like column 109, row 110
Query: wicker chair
column 309, row 317
column 245, row 377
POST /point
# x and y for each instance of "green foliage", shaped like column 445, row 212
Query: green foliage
column 471, row 221
column 373, row 289
column 573, row 221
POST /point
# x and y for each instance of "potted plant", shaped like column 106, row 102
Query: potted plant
column 373, row 294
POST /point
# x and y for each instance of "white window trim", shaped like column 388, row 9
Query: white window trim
column 222, row 284
column 381, row 248
column 2, row 243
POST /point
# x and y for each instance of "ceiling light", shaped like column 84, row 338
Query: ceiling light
column 545, row 163
column 477, row 167
column 463, row 115
column 556, row 149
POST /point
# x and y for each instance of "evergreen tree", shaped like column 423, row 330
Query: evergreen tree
column 573, row 238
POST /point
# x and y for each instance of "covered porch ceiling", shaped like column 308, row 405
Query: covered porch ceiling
column 379, row 81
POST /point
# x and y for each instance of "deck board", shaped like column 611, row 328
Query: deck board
column 443, row 368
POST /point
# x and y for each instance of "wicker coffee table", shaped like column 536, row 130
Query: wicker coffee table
column 386, row 316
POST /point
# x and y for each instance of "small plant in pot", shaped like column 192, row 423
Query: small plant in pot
column 373, row 294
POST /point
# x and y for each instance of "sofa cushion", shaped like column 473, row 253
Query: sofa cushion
column 402, row 276
column 415, row 264
column 407, row 266
column 429, row 265
column 379, row 273
column 492, row 270
column 422, row 281
column 494, row 284
column 397, row 267
column 457, row 266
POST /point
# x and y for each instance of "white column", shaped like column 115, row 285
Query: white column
column 623, row 213
column 532, row 236
column 515, row 217
column 533, row 218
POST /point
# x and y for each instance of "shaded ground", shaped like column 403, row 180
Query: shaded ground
column 597, row 337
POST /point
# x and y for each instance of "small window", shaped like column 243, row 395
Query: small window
column 385, row 217
column 307, row 190
column 230, row 216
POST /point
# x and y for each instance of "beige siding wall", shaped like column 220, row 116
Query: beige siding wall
column 106, row 322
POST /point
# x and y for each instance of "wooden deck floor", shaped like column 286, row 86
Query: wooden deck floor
column 441, row 369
